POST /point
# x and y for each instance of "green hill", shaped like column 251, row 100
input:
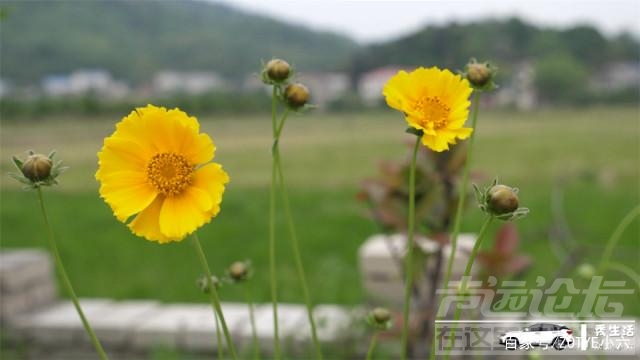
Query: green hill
column 135, row 39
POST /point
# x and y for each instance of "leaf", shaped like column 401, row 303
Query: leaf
column 18, row 162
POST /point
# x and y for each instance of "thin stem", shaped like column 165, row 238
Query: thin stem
column 410, row 246
column 461, row 199
column 463, row 189
column 613, row 240
column 213, row 294
column 66, row 282
column 295, row 248
column 372, row 345
column 272, row 231
column 464, row 282
column 218, row 336
column 254, row 335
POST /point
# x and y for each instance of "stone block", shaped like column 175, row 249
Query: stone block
column 19, row 269
column 59, row 324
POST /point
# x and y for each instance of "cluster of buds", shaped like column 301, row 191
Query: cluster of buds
column 480, row 75
column 38, row 170
column 278, row 73
column 380, row 319
column 239, row 271
column 500, row 201
column 203, row 284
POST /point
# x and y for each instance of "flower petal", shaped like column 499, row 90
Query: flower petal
column 180, row 216
column 127, row 192
column 147, row 224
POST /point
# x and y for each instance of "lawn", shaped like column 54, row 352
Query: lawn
column 591, row 155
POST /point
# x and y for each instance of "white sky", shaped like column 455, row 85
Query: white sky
column 370, row 21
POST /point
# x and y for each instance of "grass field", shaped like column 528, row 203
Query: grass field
column 593, row 155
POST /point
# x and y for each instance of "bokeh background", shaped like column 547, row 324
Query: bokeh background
column 563, row 126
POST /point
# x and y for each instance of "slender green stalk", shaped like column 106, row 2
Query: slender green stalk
column 295, row 246
column 272, row 232
column 254, row 335
column 464, row 284
column 613, row 240
column 461, row 199
column 66, row 282
column 372, row 345
column 213, row 295
column 463, row 189
column 218, row 336
column 409, row 256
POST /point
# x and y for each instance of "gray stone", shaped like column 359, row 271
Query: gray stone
column 19, row 269
column 200, row 333
column 60, row 323
column 291, row 320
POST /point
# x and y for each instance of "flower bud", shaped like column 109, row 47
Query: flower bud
column 502, row 199
column 37, row 167
column 381, row 315
column 203, row 284
column 478, row 74
column 296, row 95
column 238, row 271
column 277, row 70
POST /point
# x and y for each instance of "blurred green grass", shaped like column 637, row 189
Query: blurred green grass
column 592, row 153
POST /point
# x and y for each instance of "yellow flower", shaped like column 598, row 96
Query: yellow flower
column 434, row 101
column 157, row 166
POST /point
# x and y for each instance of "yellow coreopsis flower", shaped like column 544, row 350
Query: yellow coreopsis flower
column 157, row 166
column 434, row 101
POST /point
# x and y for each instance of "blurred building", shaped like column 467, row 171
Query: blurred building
column 81, row 82
column 618, row 76
column 371, row 83
column 520, row 90
column 190, row 82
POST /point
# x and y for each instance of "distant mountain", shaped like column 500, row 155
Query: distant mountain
column 504, row 42
column 135, row 39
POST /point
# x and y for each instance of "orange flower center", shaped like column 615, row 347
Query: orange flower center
column 435, row 112
column 169, row 173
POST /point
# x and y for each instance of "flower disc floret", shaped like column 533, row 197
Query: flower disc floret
column 156, row 174
column 435, row 104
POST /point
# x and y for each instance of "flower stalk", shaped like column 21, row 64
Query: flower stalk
column 66, row 282
column 464, row 282
column 252, row 319
column 410, row 249
column 213, row 295
column 272, row 228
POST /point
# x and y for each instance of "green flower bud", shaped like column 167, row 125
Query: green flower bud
column 478, row 74
column 296, row 95
column 502, row 200
column 203, row 284
column 381, row 315
column 37, row 167
column 277, row 70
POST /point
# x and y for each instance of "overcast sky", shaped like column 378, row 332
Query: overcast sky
column 370, row 21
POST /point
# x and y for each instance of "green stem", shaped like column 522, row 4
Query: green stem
column 295, row 248
column 461, row 199
column 219, row 337
column 372, row 345
column 252, row 319
column 213, row 294
column 66, row 282
column 463, row 190
column 613, row 240
column 272, row 231
column 463, row 283
column 409, row 256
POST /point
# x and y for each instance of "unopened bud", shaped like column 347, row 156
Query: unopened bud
column 203, row 284
column 238, row 271
column 478, row 74
column 278, row 70
column 37, row 167
column 586, row 271
column 502, row 200
column 296, row 95
column 381, row 315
